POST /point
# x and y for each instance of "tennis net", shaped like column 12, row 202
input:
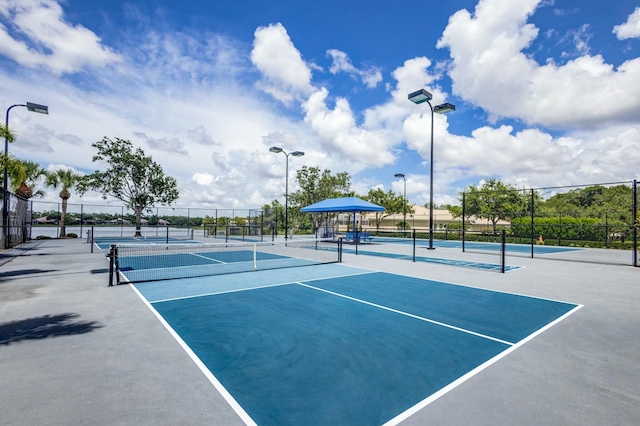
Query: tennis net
column 142, row 262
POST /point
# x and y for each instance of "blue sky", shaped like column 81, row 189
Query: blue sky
column 546, row 91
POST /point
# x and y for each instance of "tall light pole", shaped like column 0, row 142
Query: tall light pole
column 279, row 150
column 41, row 109
column 419, row 97
column 404, row 201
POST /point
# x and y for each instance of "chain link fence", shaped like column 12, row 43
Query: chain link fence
column 589, row 223
column 31, row 224
column 15, row 217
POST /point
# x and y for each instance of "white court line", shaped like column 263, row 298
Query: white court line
column 214, row 381
column 422, row 404
column 442, row 324
column 205, row 257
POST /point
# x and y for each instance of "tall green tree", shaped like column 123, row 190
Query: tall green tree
column 273, row 215
column 494, row 201
column 393, row 203
column 596, row 201
column 130, row 177
column 316, row 186
column 66, row 179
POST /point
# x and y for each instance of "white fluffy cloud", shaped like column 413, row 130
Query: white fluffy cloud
column 339, row 133
column 46, row 39
column 285, row 75
column 490, row 70
column 631, row 28
column 370, row 76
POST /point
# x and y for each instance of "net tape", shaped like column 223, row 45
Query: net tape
column 143, row 262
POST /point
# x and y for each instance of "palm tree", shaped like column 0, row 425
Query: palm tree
column 6, row 161
column 24, row 184
column 67, row 179
column 15, row 170
column 6, row 133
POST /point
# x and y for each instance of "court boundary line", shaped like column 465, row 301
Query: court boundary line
column 214, row 261
column 460, row 380
column 396, row 311
column 235, row 406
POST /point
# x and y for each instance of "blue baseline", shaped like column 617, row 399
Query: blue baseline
column 320, row 352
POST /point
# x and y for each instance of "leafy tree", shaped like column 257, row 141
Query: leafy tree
column 273, row 214
column 613, row 203
column 456, row 211
column 66, row 179
column 392, row 203
column 316, row 186
column 223, row 221
column 494, row 201
column 130, row 177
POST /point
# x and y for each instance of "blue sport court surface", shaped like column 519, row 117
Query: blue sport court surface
column 332, row 344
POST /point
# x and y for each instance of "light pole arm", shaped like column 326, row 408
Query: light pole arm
column 6, row 144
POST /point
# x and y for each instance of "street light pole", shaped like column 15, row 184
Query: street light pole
column 419, row 97
column 41, row 109
column 404, row 201
column 279, row 150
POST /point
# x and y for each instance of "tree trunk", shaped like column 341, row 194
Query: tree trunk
column 138, row 212
column 63, row 217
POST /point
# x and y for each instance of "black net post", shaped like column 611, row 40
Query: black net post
column 111, row 256
column 413, row 232
column 167, row 235
column 261, row 225
column 463, row 216
column 356, row 235
column 340, row 250
column 533, row 232
column 503, row 250
column 116, row 264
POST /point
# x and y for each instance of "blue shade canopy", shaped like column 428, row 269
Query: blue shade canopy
column 349, row 204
